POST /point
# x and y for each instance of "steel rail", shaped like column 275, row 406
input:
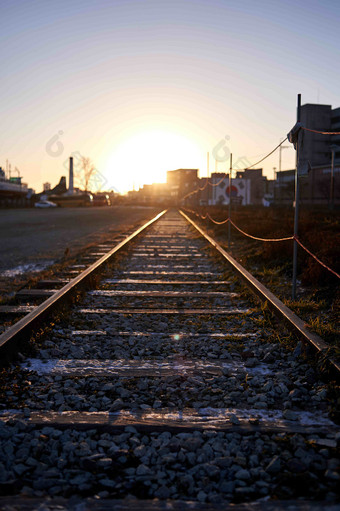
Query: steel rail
column 23, row 328
column 91, row 504
column 293, row 322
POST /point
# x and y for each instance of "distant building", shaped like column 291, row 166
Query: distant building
column 155, row 193
column 59, row 189
column 248, row 187
column 13, row 193
column 314, row 187
column 221, row 193
column 181, row 182
column 133, row 195
column 257, row 184
column 284, row 187
column 315, row 147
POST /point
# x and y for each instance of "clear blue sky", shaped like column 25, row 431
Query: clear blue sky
column 142, row 87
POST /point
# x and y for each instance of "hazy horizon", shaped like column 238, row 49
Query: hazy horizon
column 142, row 87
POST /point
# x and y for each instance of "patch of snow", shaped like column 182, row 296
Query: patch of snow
column 26, row 268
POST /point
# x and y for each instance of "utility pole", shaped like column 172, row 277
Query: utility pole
column 275, row 173
column 274, row 187
column 331, row 191
column 208, row 191
column 280, row 156
column 229, row 225
column 296, row 212
column 333, row 148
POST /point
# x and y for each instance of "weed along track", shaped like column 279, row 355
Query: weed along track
column 164, row 388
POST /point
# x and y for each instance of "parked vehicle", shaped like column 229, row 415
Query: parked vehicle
column 73, row 200
column 101, row 199
column 45, row 204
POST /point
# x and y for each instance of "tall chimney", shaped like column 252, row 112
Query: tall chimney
column 70, row 185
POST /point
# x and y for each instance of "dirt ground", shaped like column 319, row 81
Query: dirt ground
column 33, row 236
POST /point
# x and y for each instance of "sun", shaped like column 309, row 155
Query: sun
column 144, row 158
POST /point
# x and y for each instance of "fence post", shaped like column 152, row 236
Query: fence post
column 229, row 225
column 331, row 191
column 208, row 171
column 296, row 211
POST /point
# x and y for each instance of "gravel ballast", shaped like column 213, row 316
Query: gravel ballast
column 140, row 364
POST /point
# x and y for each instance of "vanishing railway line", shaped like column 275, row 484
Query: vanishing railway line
column 162, row 384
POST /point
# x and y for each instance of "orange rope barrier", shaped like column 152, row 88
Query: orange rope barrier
column 216, row 222
column 316, row 258
column 266, row 239
column 321, row 132
column 260, row 239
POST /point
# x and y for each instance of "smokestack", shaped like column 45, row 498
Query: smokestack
column 70, row 185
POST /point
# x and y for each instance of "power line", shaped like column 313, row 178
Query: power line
column 271, row 152
column 225, row 175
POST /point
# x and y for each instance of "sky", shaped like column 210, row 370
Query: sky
column 146, row 86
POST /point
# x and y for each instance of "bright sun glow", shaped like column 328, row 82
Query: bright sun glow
column 145, row 157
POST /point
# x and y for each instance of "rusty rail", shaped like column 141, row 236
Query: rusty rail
column 293, row 322
column 23, row 328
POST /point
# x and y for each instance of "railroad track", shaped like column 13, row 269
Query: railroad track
column 162, row 388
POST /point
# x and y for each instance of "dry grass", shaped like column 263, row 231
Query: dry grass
column 318, row 290
column 318, row 231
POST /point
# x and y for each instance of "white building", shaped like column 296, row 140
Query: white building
column 220, row 194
